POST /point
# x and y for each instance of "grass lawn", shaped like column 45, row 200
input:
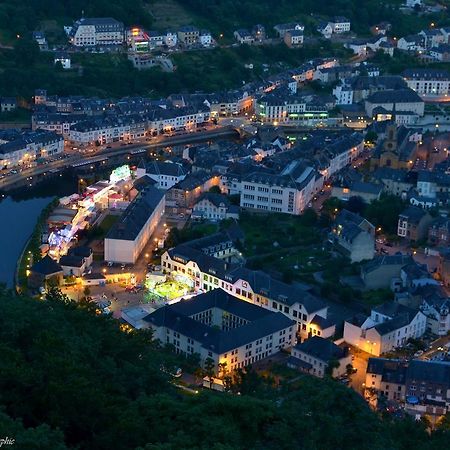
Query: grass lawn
column 20, row 115
column 108, row 222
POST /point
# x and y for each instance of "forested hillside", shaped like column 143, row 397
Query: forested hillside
column 69, row 379
column 22, row 16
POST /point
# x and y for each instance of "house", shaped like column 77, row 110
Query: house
column 386, row 377
column 83, row 252
column 127, row 238
column 441, row 53
column 358, row 47
column 381, row 28
column 354, row 236
column 220, row 327
column 244, row 36
column 88, row 32
column 166, row 174
column 435, row 304
column 413, row 223
column 315, row 355
column 387, row 48
column 379, row 273
column 40, row 39
column 365, row 190
column 340, row 24
column 170, row 38
column 427, row 81
column 215, row 207
column 395, row 100
column 293, row 38
column 72, row 266
column 282, row 28
column 188, row 35
column 389, row 326
column 439, row 232
column 43, row 272
column 63, row 59
column 205, row 38
column 7, row 104
column 395, row 181
column 325, row 28
column 412, row 43
column 259, row 33
column 433, row 38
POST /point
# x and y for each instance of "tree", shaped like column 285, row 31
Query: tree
column 87, row 291
column 332, row 364
column 215, row 190
column 356, row 204
column 209, row 370
column 26, row 52
column 371, row 137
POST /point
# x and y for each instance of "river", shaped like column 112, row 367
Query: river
column 18, row 219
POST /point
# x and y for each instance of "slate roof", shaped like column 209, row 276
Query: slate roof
column 391, row 370
column 261, row 321
column 395, row 96
column 386, row 260
column 413, row 214
column 71, row 261
column 322, row 349
column 46, row 266
column 136, row 215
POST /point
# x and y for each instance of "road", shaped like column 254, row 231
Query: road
column 69, row 159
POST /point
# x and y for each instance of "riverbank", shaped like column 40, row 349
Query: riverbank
column 31, row 252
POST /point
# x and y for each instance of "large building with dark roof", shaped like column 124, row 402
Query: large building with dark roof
column 89, row 32
column 221, row 327
column 207, row 272
column 395, row 100
column 129, row 235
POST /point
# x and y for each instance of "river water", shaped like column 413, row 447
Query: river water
column 17, row 221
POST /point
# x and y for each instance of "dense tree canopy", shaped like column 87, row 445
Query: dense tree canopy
column 71, row 379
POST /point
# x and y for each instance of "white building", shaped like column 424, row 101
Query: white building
column 207, row 273
column 96, row 31
column 205, row 38
column 219, row 327
column 315, row 354
column 17, row 148
column 166, row 174
column 171, row 39
column 215, row 207
column 389, row 326
column 340, row 25
column 343, row 94
column 64, row 59
column 428, row 81
column 128, row 237
column 290, row 192
column 398, row 100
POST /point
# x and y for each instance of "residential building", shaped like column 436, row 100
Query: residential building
column 40, row 39
column 72, row 266
column 45, row 271
column 188, row 35
column 386, row 378
column 427, row 81
column 259, row 33
column 205, row 38
column 382, row 270
column 63, row 59
column 88, row 32
column 389, row 326
column 368, row 192
column 218, row 326
column 244, row 36
column 290, row 192
column 215, row 207
column 128, row 237
column 340, row 24
column 440, row 53
column 354, row 236
column 7, row 104
column 439, row 232
column 282, row 28
column 315, row 355
column 21, row 147
column 423, row 387
column 412, row 43
column 293, row 38
column 394, row 181
column 166, row 174
column 435, row 304
column 413, row 223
